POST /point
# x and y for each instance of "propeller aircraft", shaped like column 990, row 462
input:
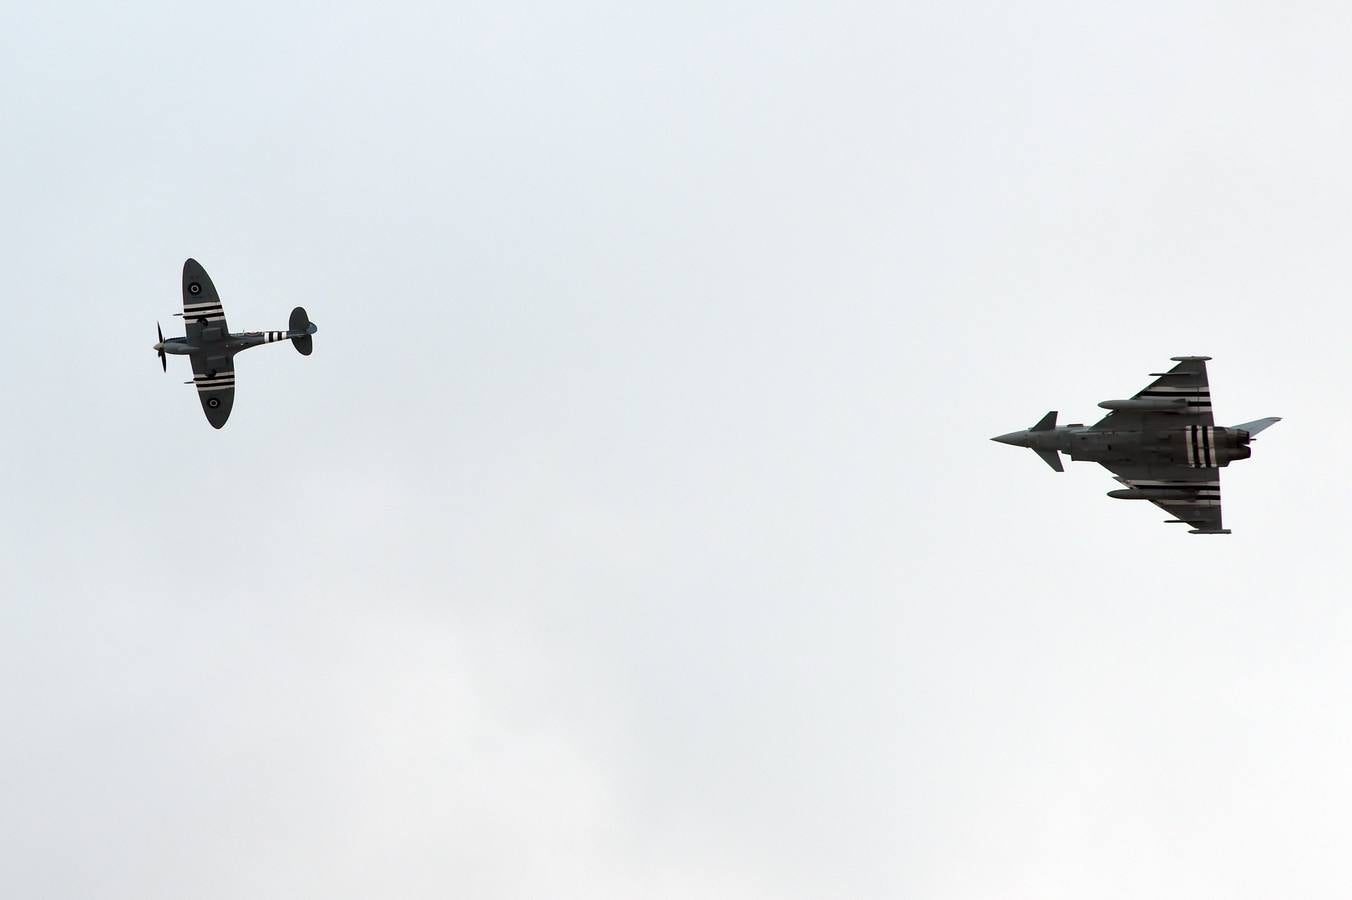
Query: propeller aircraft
column 211, row 347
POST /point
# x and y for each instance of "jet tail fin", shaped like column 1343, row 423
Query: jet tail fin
column 1046, row 423
column 1258, row 425
column 1050, row 457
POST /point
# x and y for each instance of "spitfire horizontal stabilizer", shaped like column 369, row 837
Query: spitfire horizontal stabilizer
column 301, row 329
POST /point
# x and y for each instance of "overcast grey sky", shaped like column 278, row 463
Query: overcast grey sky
column 633, row 530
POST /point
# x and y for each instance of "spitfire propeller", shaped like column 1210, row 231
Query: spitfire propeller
column 159, row 347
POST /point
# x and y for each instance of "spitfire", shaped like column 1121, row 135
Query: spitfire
column 211, row 347
column 1162, row 444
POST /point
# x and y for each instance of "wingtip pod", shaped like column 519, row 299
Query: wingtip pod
column 1209, row 531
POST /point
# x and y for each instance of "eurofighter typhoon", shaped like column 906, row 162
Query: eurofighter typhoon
column 211, row 347
column 1162, row 445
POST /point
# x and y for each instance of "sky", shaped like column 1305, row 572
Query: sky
column 634, row 528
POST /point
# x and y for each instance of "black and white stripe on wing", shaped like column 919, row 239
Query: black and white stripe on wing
column 211, row 311
column 217, row 382
column 1190, row 493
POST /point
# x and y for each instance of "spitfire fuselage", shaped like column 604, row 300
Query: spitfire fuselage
column 223, row 344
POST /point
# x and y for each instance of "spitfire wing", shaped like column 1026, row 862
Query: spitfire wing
column 1185, row 381
column 203, row 316
column 1187, row 494
column 214, row 379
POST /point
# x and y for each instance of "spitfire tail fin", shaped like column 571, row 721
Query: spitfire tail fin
column 300, row 322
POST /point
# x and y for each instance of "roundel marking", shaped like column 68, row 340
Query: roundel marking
column 214, row 402
column 194, row 288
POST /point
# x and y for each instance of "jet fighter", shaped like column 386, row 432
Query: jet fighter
column 1162, row 445
column 211, row 347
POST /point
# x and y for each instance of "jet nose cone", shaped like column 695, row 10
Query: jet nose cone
column 1014, row 438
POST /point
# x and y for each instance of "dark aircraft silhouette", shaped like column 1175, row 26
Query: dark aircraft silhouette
column 1162, row 444
column 210, row 346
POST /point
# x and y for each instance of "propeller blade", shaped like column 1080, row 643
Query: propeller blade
column 164, row 362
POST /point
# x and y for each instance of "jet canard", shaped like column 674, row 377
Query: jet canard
column 211, row 347
column 1162, row 444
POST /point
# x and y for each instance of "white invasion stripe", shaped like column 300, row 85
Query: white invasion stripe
column 1211, row 446
column 208, row 388
column 1178, row 389
column 202, row 304
column 1187, row 442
